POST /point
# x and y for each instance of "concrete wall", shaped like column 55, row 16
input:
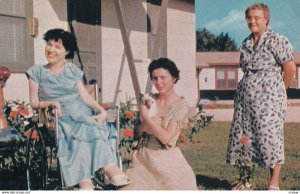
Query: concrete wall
column 51, row 14
column 181, row 46
column 240, row 74
column 116, row 75
column 207, row 79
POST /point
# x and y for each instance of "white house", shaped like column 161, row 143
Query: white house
column 113, row 35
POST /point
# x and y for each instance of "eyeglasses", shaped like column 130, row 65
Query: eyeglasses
column 255, row 18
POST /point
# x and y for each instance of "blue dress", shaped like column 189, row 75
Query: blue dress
column 84, row 145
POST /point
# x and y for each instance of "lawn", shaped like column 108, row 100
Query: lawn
column 207, row 158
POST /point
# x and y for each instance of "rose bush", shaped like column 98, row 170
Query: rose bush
column 24, row 119
column 246, row 163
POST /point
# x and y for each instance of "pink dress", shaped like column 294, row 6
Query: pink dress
column 162, row 167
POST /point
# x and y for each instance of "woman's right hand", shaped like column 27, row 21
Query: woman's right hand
column 100, row 118
column 58, row 107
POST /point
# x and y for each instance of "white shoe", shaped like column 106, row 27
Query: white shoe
column 117, row 180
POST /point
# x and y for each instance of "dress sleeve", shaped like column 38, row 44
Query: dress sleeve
column 283, row 50
column 181, row 115
column 34, row 73
column 74, row 72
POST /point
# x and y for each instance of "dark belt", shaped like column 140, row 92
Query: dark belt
column 251, row 72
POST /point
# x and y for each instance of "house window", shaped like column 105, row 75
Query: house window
column 16, row 45
column 226, row 79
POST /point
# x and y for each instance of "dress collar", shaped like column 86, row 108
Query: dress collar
column 248, row 41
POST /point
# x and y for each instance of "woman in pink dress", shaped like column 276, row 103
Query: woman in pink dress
column 160, row 165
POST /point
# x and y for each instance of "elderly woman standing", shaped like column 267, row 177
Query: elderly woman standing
column 260, row 101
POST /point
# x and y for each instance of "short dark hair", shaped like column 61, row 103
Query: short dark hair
column 166, row 64
column 68, row 40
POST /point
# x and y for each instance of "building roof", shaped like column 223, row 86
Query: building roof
column 209, row 59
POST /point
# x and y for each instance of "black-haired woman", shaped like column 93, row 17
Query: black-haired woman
column 83, row 135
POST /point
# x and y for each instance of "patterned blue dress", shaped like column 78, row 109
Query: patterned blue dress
column 83, row 144
column 260, row 100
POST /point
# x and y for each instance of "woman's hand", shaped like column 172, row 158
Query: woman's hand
column 144, row 114
column 155, row 120
column 58, row 108
column 143, row 111
column 289, row 70
column 100, row 118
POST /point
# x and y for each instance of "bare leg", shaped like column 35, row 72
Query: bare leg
column 274, row 180
column 86, row 184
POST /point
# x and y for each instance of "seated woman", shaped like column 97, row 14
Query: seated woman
column 83, row 146
column 160, row 164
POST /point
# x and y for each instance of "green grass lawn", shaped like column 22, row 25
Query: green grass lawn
column 208, row 154
column 207, row 157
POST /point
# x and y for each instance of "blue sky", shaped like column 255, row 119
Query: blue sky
column 228, row 16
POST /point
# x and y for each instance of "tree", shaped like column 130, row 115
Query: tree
column 206, row 41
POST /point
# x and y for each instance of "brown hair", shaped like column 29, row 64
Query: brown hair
column 166, row 64
column 260, row 6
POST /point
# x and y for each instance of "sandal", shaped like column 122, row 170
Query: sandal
column 242, row 186
column 117, row 180
column 274, row 188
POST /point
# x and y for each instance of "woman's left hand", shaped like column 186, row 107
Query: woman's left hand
column 100, row 118
column 143, row 110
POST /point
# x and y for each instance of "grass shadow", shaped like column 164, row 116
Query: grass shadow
column 212, row 183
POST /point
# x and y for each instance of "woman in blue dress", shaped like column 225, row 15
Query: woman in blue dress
column 83, row 135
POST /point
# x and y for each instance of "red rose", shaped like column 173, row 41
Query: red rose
column 212, row 106
column 128, row 132
column 14, row 114
column 182, row 137
column 34, row 135
column 24, row 112
column 129, row 114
